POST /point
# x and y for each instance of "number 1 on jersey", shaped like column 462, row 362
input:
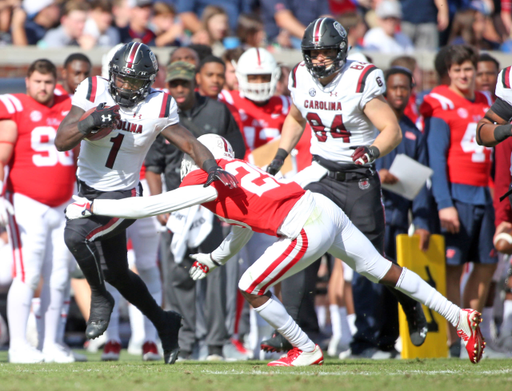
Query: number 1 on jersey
column 117, row 141
column 337, row 128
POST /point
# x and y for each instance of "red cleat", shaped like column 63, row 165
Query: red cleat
column 468, row 330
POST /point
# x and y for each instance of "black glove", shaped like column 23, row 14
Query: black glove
column 365, row 155
column 215, row 173
column 100, row 118
column 276, row 164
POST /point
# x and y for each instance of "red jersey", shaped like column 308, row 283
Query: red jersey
column 411, row 110
column 467, row 162
column 37, row 169
column 60, row 90
column 260, row 202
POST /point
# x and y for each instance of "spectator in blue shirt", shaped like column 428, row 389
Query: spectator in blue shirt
column 399, row 84
column 30, row 23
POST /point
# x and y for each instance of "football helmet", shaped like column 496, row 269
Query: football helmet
column 132, row 71
column 217, row 145
column 257, row 61
column 325, row 33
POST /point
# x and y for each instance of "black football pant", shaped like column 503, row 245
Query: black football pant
column 98, row 244
column 358, row 193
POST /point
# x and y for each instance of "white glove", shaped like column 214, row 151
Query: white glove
column 79, row 209
column 202, row 266
column 6, row 209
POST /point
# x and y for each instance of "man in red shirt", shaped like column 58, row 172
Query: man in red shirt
column 306, row 225
column 39, row 184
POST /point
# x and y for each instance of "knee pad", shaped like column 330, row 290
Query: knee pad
column 72, row 240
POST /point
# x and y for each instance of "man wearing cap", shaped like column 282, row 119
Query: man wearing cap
column 200, row 115
column 385, row 39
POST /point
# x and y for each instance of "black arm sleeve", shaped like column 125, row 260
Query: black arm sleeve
column 234, row 135
column 502, row 109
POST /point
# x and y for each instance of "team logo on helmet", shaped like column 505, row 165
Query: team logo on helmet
column 312, row 92
column 339, row 28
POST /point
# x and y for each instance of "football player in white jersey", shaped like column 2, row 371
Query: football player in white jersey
column 109, row 167
column 342, row 101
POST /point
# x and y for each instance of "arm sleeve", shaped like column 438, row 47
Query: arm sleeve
column 438, row 141
column 420, row 205
column 503, row 155
column 373, row 84
column 232, row 244
column 139, row 207
column 502, row 109
column 233, row 134
column 80, row 97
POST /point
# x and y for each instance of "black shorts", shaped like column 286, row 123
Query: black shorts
column 357, row 191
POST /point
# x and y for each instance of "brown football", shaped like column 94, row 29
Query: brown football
column 104, row 132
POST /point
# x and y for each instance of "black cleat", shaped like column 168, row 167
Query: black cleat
column 169, row 336
column 101, row 309
column 277, row 343
column 418, row 327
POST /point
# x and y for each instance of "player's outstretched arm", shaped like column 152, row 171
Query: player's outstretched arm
column 230, row 246
column 492, row 129
column 184, row 140
column 140, row 207
column 293, row 127
column 382, row 117
column 68, row 135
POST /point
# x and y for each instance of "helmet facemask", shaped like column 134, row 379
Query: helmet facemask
column 332, row 65
column 136, row 92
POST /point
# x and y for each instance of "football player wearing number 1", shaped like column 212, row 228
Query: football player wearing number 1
column 109, row 167
column 306, row 225
column 39, row 184
column 460, row 180
column 343, row 101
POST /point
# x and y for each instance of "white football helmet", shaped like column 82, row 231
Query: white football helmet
column 257, row 61
column 217, row 145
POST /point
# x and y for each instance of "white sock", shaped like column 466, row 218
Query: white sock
column 52, row 316
column 275, row 314
column 351, row 320
column 346, row 332
column 137, row 325
column 413, row 286
column 18, row 308
column 36, row 311
column 64, row 312
column 321, row 314
column 485, row 326
column 112, row 333
column 506, row 326
column 334, row 311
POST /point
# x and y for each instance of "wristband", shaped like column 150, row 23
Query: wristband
column 281, row 153
column 502, row 132
column 210, row 165
column 374, row 152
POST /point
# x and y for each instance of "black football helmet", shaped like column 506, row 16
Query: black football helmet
column 325, row 33
column 132, row 71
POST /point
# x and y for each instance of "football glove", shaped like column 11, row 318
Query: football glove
column 79, row 209
column 102, row 117
column 365, row 155
column 275, row 166
column 215, row 173
column 203, row 265
column 6, row 209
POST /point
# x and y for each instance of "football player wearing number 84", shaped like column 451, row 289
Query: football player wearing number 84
column 342, row 100
column 109, row 167
column 307, row 225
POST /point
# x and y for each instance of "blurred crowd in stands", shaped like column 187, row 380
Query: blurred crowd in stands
column 385, row 26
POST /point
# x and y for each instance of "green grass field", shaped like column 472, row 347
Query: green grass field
column 131, row 374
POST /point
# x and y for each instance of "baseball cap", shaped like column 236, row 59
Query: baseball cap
column 180, row 70
column 33, row 7
column 139, row 3
column 389, row 9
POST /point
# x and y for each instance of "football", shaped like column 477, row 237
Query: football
column 102, row 133
column 503, row 242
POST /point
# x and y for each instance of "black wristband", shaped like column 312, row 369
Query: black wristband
column 502, row 132
column 210, row 165
column 374, row 151
column 281, row 153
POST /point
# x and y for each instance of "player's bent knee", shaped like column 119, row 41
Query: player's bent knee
column 73, row 240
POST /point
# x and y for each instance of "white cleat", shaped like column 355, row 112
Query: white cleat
column 468, row 330
column 79, row 357
column 25, row 354
column 299, row 358
column 58, row 354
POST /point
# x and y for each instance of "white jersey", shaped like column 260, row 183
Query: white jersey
column 335, row 111
column 114, row 162
column 503, row 85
